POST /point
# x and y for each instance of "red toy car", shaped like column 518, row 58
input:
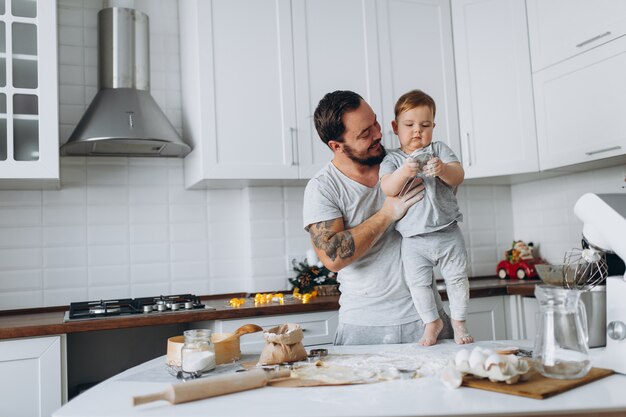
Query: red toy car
column 520, row 269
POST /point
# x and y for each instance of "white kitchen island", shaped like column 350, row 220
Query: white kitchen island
column 424, row 396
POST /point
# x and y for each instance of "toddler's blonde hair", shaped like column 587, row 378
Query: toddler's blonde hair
column 413, row 99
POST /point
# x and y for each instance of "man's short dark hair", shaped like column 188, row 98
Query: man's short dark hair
column 329, row 113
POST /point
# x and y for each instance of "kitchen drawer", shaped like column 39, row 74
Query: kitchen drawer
column 319, row 328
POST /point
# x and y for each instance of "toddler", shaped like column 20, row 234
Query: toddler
column 430, row 232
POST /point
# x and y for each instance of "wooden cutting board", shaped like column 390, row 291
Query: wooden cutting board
column 537, row 386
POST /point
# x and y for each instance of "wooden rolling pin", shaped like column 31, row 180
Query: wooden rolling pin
column 212, row 387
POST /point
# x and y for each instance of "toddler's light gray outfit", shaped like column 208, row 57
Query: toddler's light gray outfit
column 432, row 236
column 373, row 289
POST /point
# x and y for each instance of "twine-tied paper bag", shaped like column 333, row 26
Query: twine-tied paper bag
column 283, row 344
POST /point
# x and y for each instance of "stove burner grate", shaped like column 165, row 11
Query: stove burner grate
column 130, row 306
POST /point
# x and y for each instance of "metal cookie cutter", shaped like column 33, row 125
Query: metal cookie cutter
column 422, row 156
column 318, row 352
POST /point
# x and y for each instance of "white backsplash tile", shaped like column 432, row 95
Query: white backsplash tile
column 187, row 271
column 22, row 258
column 149, row 233
column 109, row 292
column 64, row 235
column 150, row 273
column 22, row 280
column 543, row 211
column 115, row 275
column 103, row 255
column 65, row 278
column 64, row 257
column 20, row 237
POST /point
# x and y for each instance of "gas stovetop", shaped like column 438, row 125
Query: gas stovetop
column 86, row 310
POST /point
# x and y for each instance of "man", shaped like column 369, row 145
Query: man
column 349, row 218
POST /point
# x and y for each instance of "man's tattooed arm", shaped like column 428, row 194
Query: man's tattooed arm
column 333, row 243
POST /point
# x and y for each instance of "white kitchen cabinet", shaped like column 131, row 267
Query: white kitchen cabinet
column 580, row 107
column 29, row 140
column 253, row 72
column 238, row 89
column 494, row 83
column 319, row 328
column 31, row 376
column 561, row 29
column 415, row 38
column 334, row 49
column 530, row 308
column 486, row 318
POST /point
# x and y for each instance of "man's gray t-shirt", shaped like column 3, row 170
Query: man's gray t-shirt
column 439, row 208
column 373, row 289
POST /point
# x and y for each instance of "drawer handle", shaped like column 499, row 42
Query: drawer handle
column 613, row 148
column 595, row 38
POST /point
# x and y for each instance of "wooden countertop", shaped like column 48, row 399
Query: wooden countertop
column 49, row 321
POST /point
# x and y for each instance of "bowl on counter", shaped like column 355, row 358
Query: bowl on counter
column 551, row 274
column 225, row 351
column 560, row 275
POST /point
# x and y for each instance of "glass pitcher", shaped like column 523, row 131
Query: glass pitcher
column 561, row 345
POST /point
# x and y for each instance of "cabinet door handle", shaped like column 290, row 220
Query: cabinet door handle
column 469, row 151
column 595, row 38
column 293, row 132
column 612, row 148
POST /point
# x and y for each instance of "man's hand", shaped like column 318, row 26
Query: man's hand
column 396, row 207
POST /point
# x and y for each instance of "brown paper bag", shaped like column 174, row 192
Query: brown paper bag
column 283, row 344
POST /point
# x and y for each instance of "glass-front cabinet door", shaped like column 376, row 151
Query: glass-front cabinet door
column 29, row 138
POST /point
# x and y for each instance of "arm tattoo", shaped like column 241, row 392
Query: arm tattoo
column 332, row 243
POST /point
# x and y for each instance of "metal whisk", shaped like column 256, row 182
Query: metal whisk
column 584, row 268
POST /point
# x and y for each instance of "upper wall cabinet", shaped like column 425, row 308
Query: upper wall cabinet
column 334, row 49
column 29, row 139
column 579, row 62
column 561, row 29
column 496, row 112
column 580, row 107
column 238, row 89
column 416, row 53
column 253, row 72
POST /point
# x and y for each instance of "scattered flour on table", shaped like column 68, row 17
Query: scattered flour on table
column 373, row 366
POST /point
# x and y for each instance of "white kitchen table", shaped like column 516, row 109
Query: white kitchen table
column 425, row 396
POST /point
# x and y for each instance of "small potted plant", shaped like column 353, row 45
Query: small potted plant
column 312, row 275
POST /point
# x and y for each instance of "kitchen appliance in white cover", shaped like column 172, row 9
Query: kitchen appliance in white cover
column 604, row 228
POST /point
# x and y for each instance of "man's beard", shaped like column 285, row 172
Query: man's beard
column 370, row 160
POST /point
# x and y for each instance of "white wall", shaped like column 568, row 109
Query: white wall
column 543, row 211
column 126, row 227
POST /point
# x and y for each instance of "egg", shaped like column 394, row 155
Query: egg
column 476, row 358
column 461, row 359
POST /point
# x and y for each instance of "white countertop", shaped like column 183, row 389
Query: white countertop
column 425, row 396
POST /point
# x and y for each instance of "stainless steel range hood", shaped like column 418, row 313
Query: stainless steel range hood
column 123, row 118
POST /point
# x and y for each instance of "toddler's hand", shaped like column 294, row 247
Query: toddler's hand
column 410, row 168
column 434, row 167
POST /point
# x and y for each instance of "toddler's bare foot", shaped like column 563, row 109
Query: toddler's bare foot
column 461, row 334
column 431, row 332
